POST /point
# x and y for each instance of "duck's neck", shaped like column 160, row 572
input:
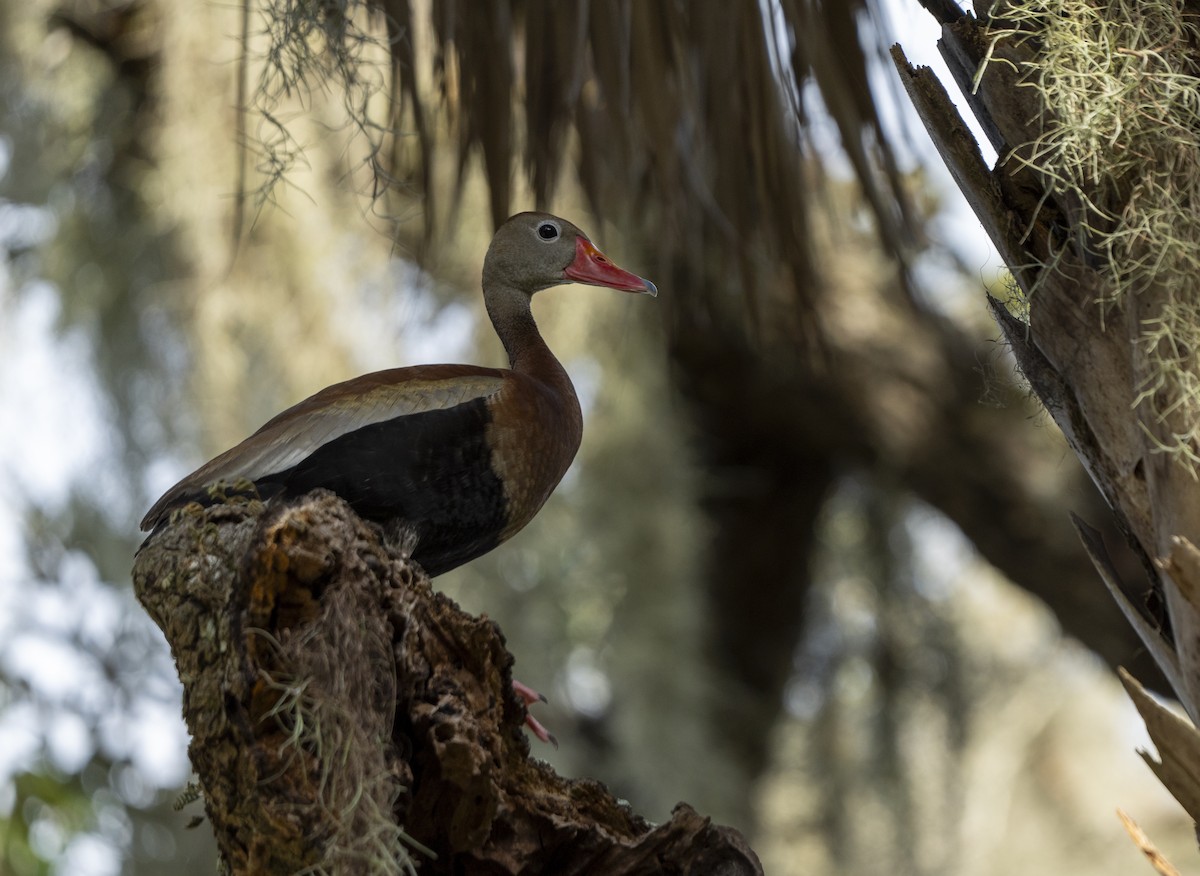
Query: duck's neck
column 509, row 309
column 513, row 320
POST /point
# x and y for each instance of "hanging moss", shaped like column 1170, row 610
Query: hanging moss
column 1120, row 149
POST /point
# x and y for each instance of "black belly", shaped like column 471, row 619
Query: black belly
column 430, row 470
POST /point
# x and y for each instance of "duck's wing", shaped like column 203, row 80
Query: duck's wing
column 296, row 434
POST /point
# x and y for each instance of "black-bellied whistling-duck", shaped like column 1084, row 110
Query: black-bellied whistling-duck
column 464, row 455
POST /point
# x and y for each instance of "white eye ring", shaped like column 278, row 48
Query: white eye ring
column 548, row 231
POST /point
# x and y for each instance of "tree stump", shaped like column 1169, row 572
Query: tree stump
column 347, row 718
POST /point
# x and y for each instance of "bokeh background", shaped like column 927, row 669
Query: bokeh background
column 812, row 570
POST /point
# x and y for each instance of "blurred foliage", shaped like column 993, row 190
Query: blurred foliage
column 940, row 723
column 84, row 676
column 45, row 811
column 928, row 724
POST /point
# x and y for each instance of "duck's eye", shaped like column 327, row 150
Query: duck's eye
column 548, row 231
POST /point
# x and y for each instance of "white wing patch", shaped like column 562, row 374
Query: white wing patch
column 297, row 432
column 292, row 439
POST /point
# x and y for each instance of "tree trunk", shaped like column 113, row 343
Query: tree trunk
column 347, row 717
column 1097, row 282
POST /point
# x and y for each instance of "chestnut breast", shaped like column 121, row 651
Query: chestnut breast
column 534, row 432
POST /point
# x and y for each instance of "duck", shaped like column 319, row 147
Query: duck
column 464, row 456
column 461, row 456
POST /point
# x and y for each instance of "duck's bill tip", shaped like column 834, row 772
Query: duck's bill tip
column 595, row 269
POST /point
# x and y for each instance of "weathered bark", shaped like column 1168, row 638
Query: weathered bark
column 1086, row 362
column 343, row 713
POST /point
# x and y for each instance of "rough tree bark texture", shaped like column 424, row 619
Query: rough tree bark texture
column 340, row 708
column 1085, row 362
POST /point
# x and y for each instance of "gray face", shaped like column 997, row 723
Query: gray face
column 530, row 252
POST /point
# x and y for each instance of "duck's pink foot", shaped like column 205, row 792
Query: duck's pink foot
column 529, row 696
